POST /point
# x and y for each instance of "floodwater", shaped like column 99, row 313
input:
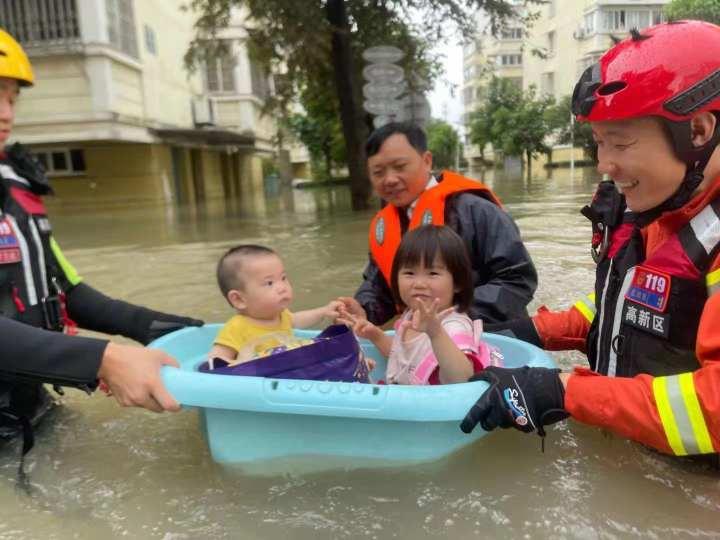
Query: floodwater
column 99, row 471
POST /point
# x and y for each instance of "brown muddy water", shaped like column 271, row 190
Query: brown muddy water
column 99, row 471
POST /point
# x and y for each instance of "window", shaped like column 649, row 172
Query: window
column 586, row 62
column 551, row 43
column 547, row 83
column 614, row 19
column 467, row 95
column 150, row 40
column 62, row 161
column 509, row 60
column 589, row 23
column 512, row 33
column 40, row 21
column 121, row 26
column 638, row 19
column 259, row 80
column 219, row 73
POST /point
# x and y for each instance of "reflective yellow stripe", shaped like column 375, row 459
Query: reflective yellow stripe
column 666, row 416
column 67, row 268
column 586, row 306
column 681, row 415
column 692, row 405
column 713, row 282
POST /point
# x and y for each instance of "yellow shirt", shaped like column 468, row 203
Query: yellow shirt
column 252, row 340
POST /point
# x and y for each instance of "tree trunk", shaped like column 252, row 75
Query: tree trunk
column 327, row 154
column 529, row 165
column 351, row 114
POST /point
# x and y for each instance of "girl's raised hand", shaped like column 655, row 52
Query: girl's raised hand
column 427, row 319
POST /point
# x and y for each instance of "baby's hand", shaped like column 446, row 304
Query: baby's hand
column 362, row 327
column 427, row 319
column 333, row 310
column 352, row 307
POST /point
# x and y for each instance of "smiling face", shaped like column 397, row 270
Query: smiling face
column 638, row 156
column 426, row 283
column 398, row 172
column 9, row 91
column 265, row 289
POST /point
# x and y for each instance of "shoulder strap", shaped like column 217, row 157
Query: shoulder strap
column 700, row 237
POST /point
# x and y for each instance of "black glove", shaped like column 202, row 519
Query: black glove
column 524, row 398
column 164, row 323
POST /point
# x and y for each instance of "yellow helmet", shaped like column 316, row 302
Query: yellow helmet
column 14, row 63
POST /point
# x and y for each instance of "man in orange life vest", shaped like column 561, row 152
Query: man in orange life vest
column 651, row 329
column 400, row 170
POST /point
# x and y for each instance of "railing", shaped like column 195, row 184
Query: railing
column 40, row 22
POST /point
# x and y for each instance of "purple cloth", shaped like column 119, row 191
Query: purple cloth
column 334, row 356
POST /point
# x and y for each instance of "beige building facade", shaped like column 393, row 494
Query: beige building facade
column 571, row 35
column 114, row 115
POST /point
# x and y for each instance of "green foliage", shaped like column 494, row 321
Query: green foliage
column 318, row 128
column 577, row 133
column 501, row 95
column 703, row 10
column 523, row 129
column 443, row 143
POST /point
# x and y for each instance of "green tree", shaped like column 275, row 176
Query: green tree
column 443, row 143
column 303, row 39
column 318, row 128
column 513, row 121
column 703, row 10
column 579, row 134
column 501, row 94
column 524, row 129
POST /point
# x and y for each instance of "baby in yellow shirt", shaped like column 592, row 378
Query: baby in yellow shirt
column 252, row 279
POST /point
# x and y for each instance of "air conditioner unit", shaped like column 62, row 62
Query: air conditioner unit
column 579, row 33
column 202, row 111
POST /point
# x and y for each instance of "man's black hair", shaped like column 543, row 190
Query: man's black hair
column 413, row 133
column 228, row 267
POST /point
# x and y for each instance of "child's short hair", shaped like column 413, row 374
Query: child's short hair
column 230, row 264
column 421, row 246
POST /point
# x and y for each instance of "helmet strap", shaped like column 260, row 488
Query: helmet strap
column 695, row 157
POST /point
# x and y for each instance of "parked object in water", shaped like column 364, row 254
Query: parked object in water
column 248, row 420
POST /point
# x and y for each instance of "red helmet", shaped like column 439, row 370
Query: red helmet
column 670, row 70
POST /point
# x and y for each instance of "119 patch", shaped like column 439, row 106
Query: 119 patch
column 9, row 246
column 650, row 288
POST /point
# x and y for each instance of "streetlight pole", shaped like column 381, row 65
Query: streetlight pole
column 572, row 146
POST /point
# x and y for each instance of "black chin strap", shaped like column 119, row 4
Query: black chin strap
column 693, row 178
column 696, row 159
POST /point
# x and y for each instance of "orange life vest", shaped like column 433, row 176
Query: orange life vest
column 385, row 229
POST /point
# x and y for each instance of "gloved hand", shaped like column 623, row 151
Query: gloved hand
column 524, row 398
column 164, row 323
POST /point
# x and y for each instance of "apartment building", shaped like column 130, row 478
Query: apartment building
column 571, row 35
column 574, row 34
column 114, row 115
column 483, row 58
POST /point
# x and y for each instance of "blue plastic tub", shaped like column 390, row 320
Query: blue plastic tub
column 248, row 420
